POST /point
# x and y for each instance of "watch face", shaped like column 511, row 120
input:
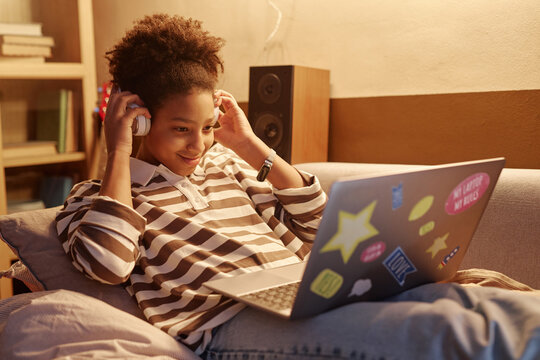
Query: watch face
column 265, row 169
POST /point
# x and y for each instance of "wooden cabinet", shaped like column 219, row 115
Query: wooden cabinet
column 72, row 66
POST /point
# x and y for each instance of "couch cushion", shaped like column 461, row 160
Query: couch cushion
column 32, row 235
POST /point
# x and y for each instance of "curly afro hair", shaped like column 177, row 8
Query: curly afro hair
column 165, row 55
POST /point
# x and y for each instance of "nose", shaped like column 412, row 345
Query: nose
column 196, row 142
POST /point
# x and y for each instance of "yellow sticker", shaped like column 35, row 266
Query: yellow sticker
column 421, row 208
column 327, row 283
column 424, row 229
column 352, row 230
column 438, row 244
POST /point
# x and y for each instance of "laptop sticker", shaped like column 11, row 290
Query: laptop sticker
column 360, row 287
column 397, row 196
column 438, row 245
column 327, row 283
column 467, row 193
column 421, row 208
column 426, row 228
column 399, row 265
column 373, row 251
column 352, row 230
column 447, row 258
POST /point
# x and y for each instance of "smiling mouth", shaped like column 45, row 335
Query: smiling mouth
column 190, row 160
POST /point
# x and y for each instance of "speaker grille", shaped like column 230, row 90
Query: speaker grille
column 270, row 106
column 269, row 88
column 269, row 128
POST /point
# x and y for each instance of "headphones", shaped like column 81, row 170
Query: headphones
column 141, row 124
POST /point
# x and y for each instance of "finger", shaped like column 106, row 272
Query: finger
column 124, row 108
column 225, row 93
column 123, row 100
column 228, row 102
column 133, row 112
column 217, row 98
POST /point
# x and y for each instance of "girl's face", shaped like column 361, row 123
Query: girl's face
column 182, row 131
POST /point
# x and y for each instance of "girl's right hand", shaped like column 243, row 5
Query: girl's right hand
column 119, row 120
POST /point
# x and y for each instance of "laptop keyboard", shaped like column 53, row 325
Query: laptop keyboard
column 278, row 298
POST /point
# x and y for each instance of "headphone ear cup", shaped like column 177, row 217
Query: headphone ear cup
column 141, row 126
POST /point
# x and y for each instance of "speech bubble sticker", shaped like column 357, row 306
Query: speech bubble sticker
column 373, row 251
column 426, row 228
column 447, row 258
column 327, row 283
column 397, row 196
column 467, row 193
column 421, row 208
column 399, row 265
column 360, row 287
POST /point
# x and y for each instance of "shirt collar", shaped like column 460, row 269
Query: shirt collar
column 141, row 171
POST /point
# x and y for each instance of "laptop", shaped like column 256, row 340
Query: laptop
column 379, row 236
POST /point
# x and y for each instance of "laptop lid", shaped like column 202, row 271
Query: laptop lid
column 382, row 235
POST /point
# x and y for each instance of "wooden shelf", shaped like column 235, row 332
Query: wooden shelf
column 72, row 66
column 42, row 71
column 46, row 159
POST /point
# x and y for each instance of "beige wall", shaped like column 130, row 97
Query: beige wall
column 416, row 81
column 372, row 47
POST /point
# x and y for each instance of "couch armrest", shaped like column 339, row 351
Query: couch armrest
column 508, row 236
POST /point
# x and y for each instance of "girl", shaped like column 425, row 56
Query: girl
column 185, row 210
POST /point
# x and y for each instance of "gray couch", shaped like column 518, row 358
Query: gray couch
column 508, row 237
column 507, row 241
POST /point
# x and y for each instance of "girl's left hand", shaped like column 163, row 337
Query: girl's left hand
column 235, row 131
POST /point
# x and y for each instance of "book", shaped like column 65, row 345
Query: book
column 29, row 148
column 51, row 117
column 22, row 59
column 31, row 29
column 72, row 128
column 27, row 40
column 25, row 50
column 55, row 189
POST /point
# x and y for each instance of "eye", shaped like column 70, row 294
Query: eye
column 208, row 128
column 181, row 129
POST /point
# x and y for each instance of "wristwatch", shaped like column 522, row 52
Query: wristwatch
column 266, row 166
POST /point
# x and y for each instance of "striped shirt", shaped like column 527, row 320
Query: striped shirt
column 182, row 231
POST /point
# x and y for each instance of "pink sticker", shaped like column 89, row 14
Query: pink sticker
column 467, row 193
column 373, row 251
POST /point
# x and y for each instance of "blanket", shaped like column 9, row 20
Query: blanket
column 64, row 324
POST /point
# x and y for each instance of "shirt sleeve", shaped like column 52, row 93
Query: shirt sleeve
column 100, row 234
column 300, row 209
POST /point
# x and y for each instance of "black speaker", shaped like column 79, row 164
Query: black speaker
column 288, row 107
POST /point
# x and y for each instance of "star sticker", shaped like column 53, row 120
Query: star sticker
column 438, row 244
column 352, row 230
